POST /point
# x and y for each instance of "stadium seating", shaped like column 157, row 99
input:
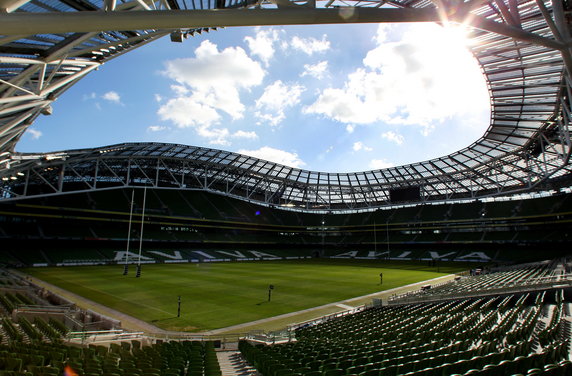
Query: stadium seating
column 34, row 344
column 536, row 274
column 126, row 358
column 480, row 336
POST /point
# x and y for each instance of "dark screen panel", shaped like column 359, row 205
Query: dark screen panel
column 405, row 194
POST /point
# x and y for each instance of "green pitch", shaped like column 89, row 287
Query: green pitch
column 217, row 295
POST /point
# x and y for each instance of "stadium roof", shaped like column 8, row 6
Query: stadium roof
column 522, row 46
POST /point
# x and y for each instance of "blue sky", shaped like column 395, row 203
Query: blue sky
column 335, row 98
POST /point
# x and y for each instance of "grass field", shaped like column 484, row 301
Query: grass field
column 216, row 295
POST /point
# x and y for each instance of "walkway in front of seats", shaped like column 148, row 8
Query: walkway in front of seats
column 133, row 324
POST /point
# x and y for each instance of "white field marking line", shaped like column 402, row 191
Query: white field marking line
column 114, row 296
column 345, row 306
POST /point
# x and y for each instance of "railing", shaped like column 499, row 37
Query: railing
column 61, row 309
column 561, row 281
column 271, row 338
column 303, row 324
column 416, row 292
column 98, row 336
column 505, row 268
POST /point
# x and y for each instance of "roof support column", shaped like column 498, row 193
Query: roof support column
column 8, row 6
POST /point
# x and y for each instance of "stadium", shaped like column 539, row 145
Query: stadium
column 165, row 259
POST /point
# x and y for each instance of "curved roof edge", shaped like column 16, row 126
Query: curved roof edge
column 174, row 166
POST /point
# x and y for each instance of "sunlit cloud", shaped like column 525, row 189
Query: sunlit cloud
column 350, row 128
column 215, row 136
column 420, row 80
column 378, row 164
column 277, row 97
column 112, row 96
column 208, row 85
column 188, row 112
column 216, row 77
column 262, row 44
column 34, row 133
column 357, row 146
column 268, row 153
column 269, row 118
column 157, row 128
column 310, row 45
column 318, row 70
column 245, row 135
column 180, row 90
column 393, row 137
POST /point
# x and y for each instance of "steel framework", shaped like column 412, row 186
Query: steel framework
column 522, row 46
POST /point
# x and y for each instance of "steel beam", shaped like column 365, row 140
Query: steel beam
column 9, row 6
column 68, row 22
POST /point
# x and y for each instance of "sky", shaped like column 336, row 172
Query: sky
column 332, row 98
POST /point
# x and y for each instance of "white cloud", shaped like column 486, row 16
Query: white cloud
column 272, row 119
column 275, row 155
column 393, row 137
column 34, row 133
column 360, row 146
column 246, row 135
column 216, row 77
column 419, row 80
column 207, row 84
column 355, row 103
column 310, row 45
column 180, row 90
column 277, row 97
column 188, row 112
column 382, row 33
column 380, row 164
column 318, row 70
column 262, row 44
column 112, row 96
column 216, row 136
column 350, row 128
column 157, row 128
column 158, row 98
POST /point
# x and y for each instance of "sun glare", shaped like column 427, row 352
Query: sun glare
column 457, row 34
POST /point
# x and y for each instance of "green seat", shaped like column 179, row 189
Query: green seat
column 329, row 365
column 314, row 373
column 491, row 370
column 356, row 369
column 303, row 370
column 315, row 365
column 534, row 371
column 472, row 372
column 13, row 364
column 283, row 372
column 371, row 372
column 334, row 372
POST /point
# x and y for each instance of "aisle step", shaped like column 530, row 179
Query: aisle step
column 233, row 364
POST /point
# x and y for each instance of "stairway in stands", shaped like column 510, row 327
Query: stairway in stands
column 233, row 364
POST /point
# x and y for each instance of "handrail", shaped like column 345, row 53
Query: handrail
column 321, row 319
column 418, row 298
column 500, row 287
